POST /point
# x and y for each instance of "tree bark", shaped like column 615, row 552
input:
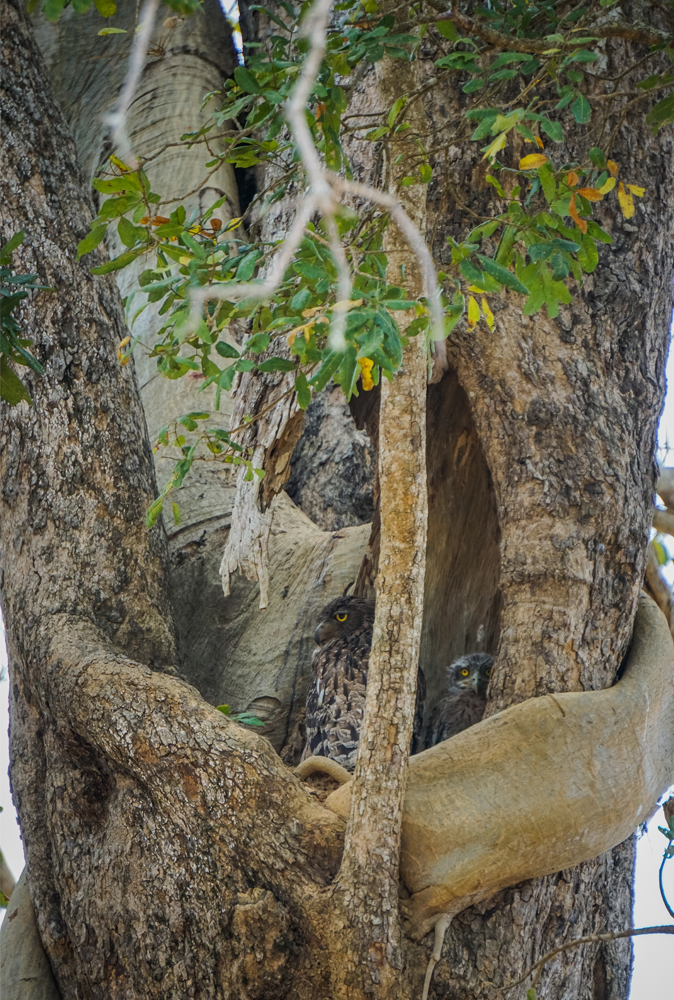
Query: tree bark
column 169, row 852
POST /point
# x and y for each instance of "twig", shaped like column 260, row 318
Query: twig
column 117, row 118
column 589, row 939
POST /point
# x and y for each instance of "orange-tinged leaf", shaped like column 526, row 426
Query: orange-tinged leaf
column 216, row 224
column 573, row 212
column 473, row 313
column 626, row 201
column 539, row 142
column 533, row 161
column 592, row 194
column 613, row 167
column 635, row 189
column 607, row 186
column 488, row 314
column 159, row 220
column 144, row 221
column 572, row 178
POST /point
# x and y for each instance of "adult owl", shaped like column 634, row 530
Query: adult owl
column 336, row 698
column 466, row 698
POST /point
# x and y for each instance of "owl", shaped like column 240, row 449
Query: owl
column 466, row 698
column 336, row 698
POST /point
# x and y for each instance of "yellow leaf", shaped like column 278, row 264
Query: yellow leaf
column 613, row 167
column 498, row 144
column 291, row 337
column 475, row 288
column 573, row 212
column 346, row 304
column 473, row 313
column 607, row 186
column 233, row 224
column 572, row 178
column 592, row 194
column 120, row 164
column 120, row 350
column 635, row 189
column 488, row 314
column 185, row 260
column 533, row 161
column 539, row 142
column 366, row 366
column 626, row 201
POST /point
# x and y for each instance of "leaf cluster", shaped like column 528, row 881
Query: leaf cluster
column 14, row 288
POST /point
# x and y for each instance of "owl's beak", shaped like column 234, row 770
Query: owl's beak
column 474, row 683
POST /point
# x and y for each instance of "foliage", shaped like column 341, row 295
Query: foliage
column 244, row 718
column 13, row 347
column 523, row 68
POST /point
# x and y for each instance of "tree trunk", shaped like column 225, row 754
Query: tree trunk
column 169, row 852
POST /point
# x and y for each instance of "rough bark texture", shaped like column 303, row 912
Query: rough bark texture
column 132, row 792
column 218, row 640
column 238, row 908
column 332, row 466
column 566, row 412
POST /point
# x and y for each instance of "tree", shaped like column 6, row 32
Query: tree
column 179, row 856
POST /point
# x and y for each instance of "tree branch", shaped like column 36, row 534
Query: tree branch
column 588, row 939
column 642, row 34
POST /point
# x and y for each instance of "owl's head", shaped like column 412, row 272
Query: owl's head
column 343, row 616
column 471, row 672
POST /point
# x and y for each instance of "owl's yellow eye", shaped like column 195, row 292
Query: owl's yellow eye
column 488, row 671
column 465, row 672
column 341, row 618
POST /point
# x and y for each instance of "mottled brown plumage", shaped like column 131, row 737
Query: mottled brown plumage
column 336, row 698
column 466, row 698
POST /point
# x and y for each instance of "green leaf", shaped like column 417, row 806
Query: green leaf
column 12, row 389
column 113, row 31
column 326, row 371
column 226, row 350
column 257, row 344
column 595, row 230
column 426, row 173
column 91, row 241
column 176, row 513
column 227, row 378
column 118, row 263
column 246, row 81
column 303, row 391
column 553, row 130
column 300, row 300
column 581, row 110
column 548, row 182
column 10, row 246
column 246, row 268
column 106, row 8
column 588, row 256
column 447, row 30
column 349, row 370
column 597, row 157
column 502, row 275
column 128, row 233
column 276, row 365
column 662, row 114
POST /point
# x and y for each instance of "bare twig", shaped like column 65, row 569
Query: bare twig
column 117, row 118
column 537, row 967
